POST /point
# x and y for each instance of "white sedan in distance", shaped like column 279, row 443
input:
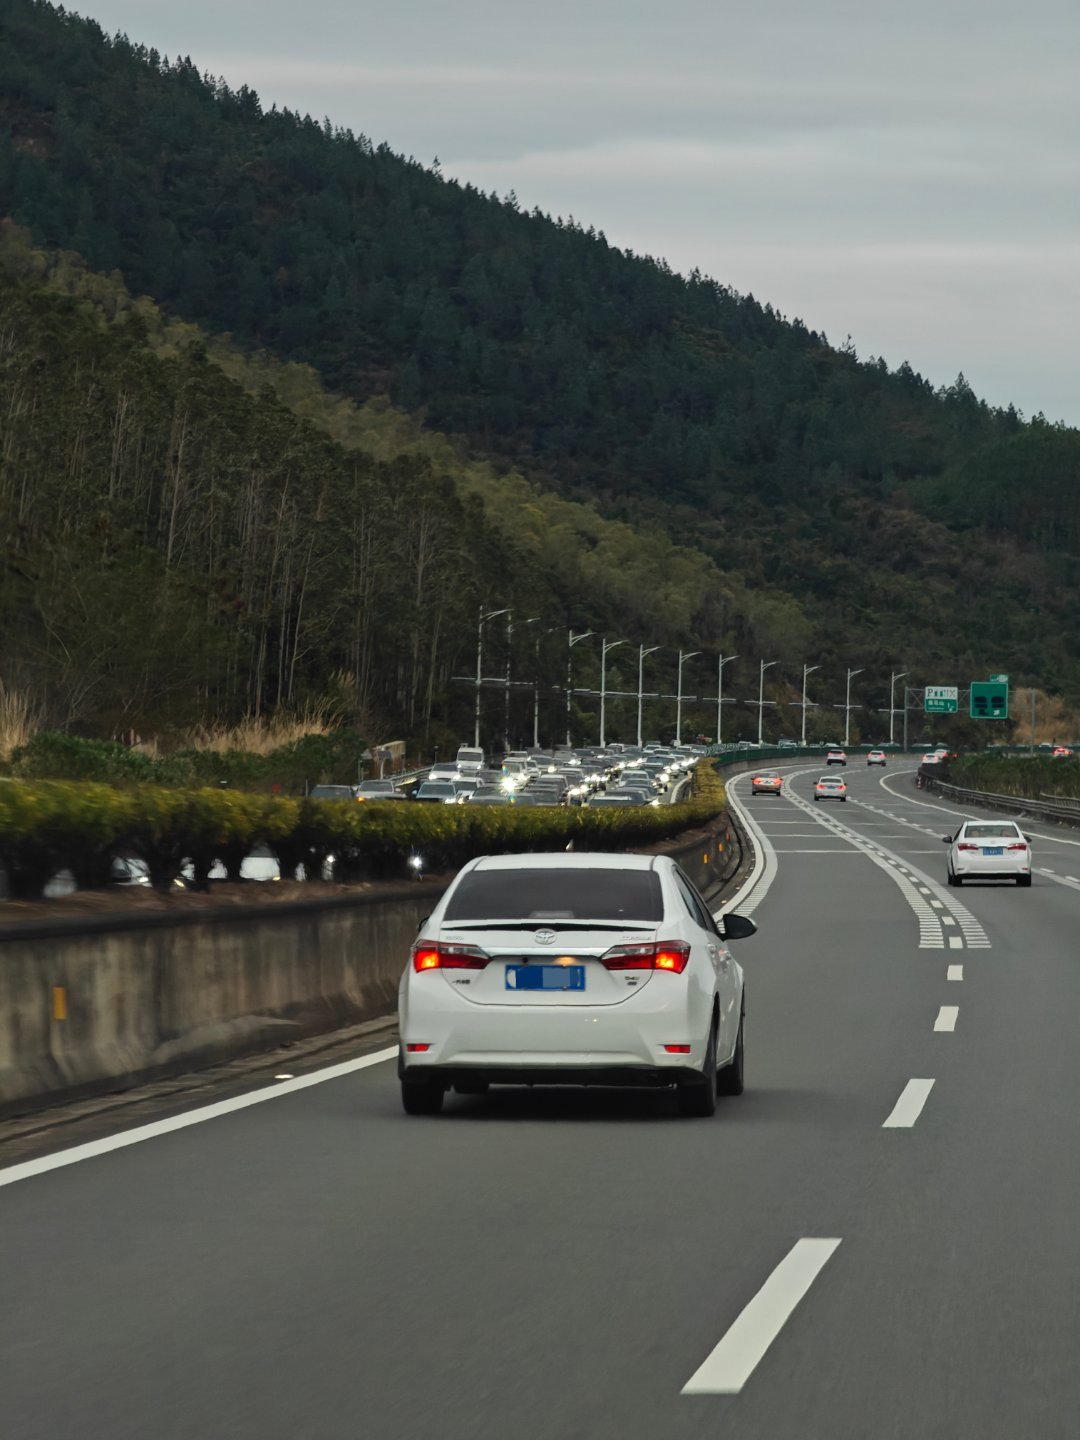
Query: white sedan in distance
column 836, row 756
column 876, row 757
column 988, row 850
column 572, row 969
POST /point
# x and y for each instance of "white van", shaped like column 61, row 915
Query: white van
column 470, row 761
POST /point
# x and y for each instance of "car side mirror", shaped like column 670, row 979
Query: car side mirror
column 737, row 927
column 946, row 839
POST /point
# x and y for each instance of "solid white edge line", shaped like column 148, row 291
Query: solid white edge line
column 765, row 864
column 909, row 1106
column 946, row 1017
column 955, row 972
column 93, row 1148
column 731, row 1363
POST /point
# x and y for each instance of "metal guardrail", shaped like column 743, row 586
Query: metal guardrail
column 1065, row 812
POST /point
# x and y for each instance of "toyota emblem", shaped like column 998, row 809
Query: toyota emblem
column 544, row 937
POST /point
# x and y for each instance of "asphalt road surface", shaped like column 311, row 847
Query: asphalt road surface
column 878, row 1241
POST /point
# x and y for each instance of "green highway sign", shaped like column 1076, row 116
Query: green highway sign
column 990, row 699
column 940, row 699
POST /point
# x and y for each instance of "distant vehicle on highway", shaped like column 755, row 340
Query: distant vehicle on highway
column 830, row 787
column 469, row 760
column 436, row 792
column 332, row 792
column 379, row 790
column 931, row 758
column 988, row 850
column 572, row 969
column 767, row 782
column 876, row 757
column 1061, row 752
column 835, row 756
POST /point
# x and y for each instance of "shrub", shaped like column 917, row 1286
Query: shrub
column 49, row 825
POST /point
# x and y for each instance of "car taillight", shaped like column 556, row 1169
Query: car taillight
column 670, row 955
column 417, row 1049
column 677, row 1049
column 431, row 955
column 965, row 846
column 1020, row 845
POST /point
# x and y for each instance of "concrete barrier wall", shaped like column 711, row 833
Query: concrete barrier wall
column 91, row 1006
column 95, row 1004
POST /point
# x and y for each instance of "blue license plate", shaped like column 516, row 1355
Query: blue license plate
column 993, row 850
column 545, row 977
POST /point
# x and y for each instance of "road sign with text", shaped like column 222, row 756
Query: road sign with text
column 989, row 700
column 941, row 699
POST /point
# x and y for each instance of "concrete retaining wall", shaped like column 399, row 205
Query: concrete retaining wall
column 90, row 1005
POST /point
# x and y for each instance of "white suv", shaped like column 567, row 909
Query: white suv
column 572, row 969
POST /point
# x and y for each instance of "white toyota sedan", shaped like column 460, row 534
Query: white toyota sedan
column 988, row 850
column 572, row 969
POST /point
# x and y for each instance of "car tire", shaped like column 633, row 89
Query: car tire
column 422, row 1097
column 1024, row 880
column 843, row 799
column 697, row 1098
column 729, row 1079
column 958, row 881
column 949, row 878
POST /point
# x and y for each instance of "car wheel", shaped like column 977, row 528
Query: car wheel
column 421, row 1097
column 729, row 1080
column 844, row 799
column 1024, row 880
column 958, row 880
column 697, row 1098
column 949, row 879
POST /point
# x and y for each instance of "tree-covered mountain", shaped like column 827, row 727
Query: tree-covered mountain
column 847, row 510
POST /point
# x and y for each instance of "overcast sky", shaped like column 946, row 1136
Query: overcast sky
column 906, row 171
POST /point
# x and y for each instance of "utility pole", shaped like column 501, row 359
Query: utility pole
column 1033, row 719
column 765, row 665
column 571, row 642
column 806, row 670
column 482, row 616
column 535, row 620
column 724, row 660
column 604, row 648
column 642, row 652
column 892, row 708
column 506, row 704
column 907, row 701
column 848, row 707
column 689, row 655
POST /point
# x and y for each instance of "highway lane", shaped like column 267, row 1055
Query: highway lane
column 560, row 1264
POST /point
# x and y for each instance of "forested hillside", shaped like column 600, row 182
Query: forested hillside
column 849, row 512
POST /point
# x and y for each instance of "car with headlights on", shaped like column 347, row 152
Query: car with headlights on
column 830, row 787
column 988, row 850
column 766, row 782
column 572, row 969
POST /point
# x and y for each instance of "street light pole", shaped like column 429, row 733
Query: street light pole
column 847, row 704
column 764, row 665
column 534, row 620
column 604, row 648
column 506, row 702
column 572, row 640
column 806, row 670
column 482, row 616
column 724, row 660
column 688, row 655
column 900, row 674
column 642, row 652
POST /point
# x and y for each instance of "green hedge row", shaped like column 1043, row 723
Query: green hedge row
column 1029, row 776
column 52, row 755
column 47, row 826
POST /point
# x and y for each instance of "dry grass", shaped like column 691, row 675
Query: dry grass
column 20, row 717
column 259, row 736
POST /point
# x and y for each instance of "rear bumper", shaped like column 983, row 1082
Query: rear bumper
column 649, row 1077
column 991, row 871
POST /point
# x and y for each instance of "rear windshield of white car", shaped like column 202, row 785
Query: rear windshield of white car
column 829, row 780
column 558, row 895
column 991, row 832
